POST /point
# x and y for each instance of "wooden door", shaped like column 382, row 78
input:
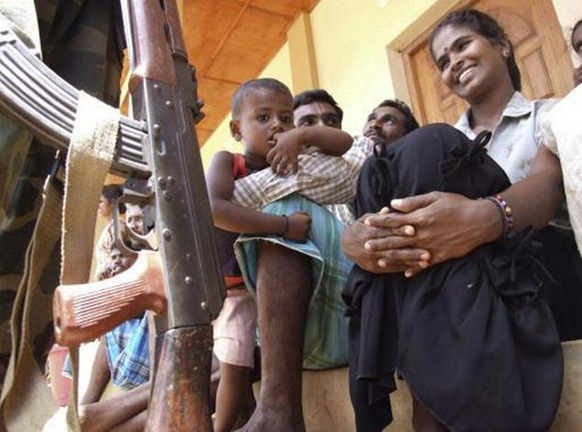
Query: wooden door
column 540, row 50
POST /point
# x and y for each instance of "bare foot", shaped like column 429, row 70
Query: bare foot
column 268, row 419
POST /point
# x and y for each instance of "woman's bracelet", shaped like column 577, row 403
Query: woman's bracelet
column 286, row 225
column 505, row 212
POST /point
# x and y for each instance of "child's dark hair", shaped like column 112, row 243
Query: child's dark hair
column 254, row 84
column 111, row 192
column 486, row 26
column 317, row 95
column 410, row 122
column 578, row 24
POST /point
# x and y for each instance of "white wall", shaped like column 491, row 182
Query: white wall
column 351, row 37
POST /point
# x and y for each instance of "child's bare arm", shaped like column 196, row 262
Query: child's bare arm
column 329, row 140
column 233, row 217
column 283, row 156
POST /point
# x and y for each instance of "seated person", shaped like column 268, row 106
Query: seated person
column 452, row 328
column 110, row 195
column 122, row 357
column 123, row 353
column 442, row 228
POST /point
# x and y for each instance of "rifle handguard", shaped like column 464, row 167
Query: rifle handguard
column 37, row 98
column 86, row 311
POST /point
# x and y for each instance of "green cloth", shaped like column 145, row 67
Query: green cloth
column 326, row 333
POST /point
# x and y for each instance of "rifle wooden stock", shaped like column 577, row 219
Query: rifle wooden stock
column 179, row 401
column 84, row 312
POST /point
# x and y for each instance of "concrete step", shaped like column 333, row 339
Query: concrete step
column 327, row 406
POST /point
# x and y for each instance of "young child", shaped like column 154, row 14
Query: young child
column 262, row 118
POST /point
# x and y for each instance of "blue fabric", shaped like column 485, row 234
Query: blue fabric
column 128, row 353
column 327, row 327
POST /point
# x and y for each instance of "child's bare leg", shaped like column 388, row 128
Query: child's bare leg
column 283, row 296
column 118, row 409
column 232, row 396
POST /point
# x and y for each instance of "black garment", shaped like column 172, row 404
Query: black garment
column 472, row 337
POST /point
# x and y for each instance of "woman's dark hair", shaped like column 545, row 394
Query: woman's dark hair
column 486, row 26
column 112, row 192
column 578, row 24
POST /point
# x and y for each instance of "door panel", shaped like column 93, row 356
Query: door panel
column 540, row 51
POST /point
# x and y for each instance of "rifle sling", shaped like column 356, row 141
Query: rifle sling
column 26, row 402
column 88, row 161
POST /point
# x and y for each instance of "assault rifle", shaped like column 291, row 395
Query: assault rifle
column 158, row 145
